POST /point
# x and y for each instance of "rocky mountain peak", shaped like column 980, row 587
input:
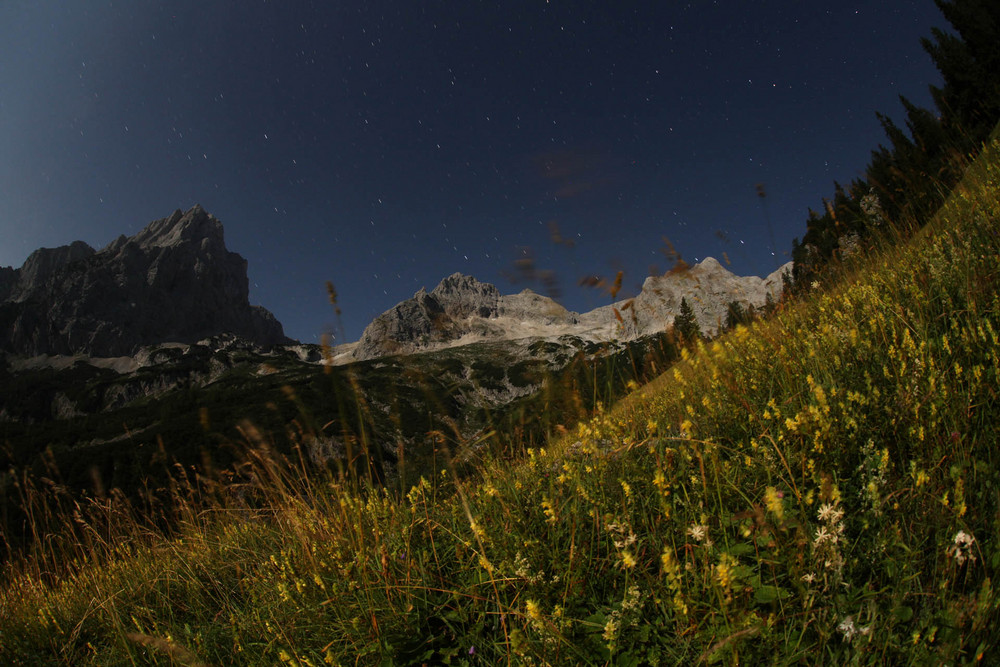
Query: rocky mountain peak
column 193, row 226
column 174, row 281
column 42, row 264
column 461, row 296
column 710, row 265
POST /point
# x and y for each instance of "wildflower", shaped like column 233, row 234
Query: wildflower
column 829, row 514
column 809, row 577
column 633, row 599
column 670, row 566
column 660, row 481
column 534, row 610
column 848, row 629
column 549, row 509
column 698, row 533
column 961, row 549
column 774, row 505
column 822, row 535
column 611, row 630
column 628, row 560
column 872, row 207
column 724, row 571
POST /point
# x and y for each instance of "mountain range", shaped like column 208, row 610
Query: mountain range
column 461, row 310
column 176, row 282
column 148, row 350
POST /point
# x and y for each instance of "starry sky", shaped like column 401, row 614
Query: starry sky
column 383, row 145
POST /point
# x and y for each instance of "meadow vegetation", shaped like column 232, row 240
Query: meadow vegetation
column 822, row 486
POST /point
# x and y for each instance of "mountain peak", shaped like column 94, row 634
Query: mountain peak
column 710, row 264
column 174, row 281
column 42, row 264
column 194, row 225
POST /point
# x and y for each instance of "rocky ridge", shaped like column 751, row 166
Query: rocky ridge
column 708, row 287
column 173, row 281
column 459, row 309
column 462, row 309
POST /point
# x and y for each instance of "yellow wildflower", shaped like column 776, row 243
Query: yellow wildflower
column 773, row 497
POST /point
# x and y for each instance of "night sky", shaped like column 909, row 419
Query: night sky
column 385, row 145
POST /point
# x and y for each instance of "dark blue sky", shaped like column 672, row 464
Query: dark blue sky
column 385, row 145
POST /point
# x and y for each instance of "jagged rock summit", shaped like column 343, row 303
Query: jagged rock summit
column 174, row 281
column 462, row 309
column 707, row 286
column 459, row 308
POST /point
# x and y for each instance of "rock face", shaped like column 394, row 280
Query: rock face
column 173, row 281
column 708, row 288
column 462, row 309
column 459, row 307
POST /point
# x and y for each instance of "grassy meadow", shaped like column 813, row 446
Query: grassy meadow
column 822, row 487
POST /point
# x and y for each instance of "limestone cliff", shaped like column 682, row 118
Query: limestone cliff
column 173, row 281
column 462, row 309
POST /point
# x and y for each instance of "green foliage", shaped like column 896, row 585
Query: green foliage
column 968, row 60
column 686, row 326
column 737, row 314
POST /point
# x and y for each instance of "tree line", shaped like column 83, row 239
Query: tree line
column 908, row 178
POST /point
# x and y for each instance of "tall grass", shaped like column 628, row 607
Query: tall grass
column 821, row 487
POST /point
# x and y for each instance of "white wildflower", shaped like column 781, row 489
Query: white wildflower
column 961, row 550
column 848, row 629
column 822, row 535
column 829, row 513
column 698, row 533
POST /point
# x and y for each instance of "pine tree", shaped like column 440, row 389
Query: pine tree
column 736, row 314
column 685, row 325
column 969, row 60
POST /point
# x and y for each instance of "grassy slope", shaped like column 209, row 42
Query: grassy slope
column 823, row 487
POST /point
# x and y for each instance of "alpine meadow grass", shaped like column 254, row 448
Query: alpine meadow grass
column 819, row 487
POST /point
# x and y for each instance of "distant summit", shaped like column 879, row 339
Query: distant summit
column 462, row 310
column 174, row 281
column 707, row 286
column 459, row 309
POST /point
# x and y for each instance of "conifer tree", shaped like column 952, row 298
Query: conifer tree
column 685, row 325
column 736, row 314
column 908, row 179
column 969, row 60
